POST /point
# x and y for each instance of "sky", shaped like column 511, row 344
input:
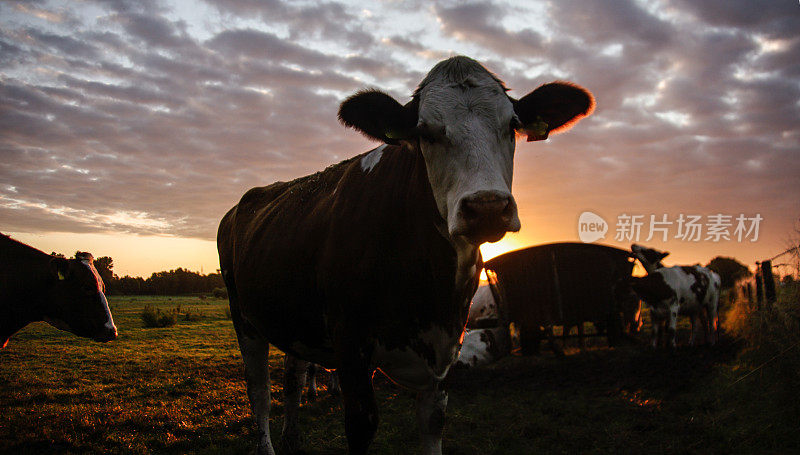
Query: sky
column 129, row 128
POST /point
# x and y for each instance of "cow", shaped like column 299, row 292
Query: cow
column 66, row 293
column 484, row 346
column 487, row 337
column 483, row 309
column 677, row 291
column 371, row 263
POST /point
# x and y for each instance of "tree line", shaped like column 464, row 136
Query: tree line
column 182, row 281
column 173, row 282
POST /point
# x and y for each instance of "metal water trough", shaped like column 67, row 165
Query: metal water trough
column 561, row 284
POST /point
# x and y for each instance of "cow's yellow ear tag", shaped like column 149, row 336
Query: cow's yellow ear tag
column 61, row 276
column 537, row 131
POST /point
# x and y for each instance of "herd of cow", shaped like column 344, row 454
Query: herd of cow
column 373, row 262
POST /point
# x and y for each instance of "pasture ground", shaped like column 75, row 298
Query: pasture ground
column 181, row 390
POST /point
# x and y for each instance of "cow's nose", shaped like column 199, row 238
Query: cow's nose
column 485, row 216
column 485, row 204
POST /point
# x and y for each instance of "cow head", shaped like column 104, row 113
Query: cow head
column 653, row 289
column 464, row 124
column 649, row 257
column 77, row 301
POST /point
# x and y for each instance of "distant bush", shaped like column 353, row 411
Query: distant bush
column 220, row 293
column 193, row 314
column 155, row 317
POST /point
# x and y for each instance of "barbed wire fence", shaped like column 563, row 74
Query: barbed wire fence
column 765, row 280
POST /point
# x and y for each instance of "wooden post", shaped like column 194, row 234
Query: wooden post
column 769, row 283
column 759, row 287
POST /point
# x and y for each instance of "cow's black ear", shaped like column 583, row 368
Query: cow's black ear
column 663, row 255
column 379, row 116
column 59, row 268
column 552, row 108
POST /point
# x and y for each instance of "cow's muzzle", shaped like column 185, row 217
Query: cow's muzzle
column 106, row 334
column 486, row 216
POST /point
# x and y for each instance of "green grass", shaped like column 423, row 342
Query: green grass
column 180, row 389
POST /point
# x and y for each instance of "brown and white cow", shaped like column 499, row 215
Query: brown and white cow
column 371, row 263
column 66, row 293
column 677, row 291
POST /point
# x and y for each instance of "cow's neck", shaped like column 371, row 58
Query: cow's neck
column 467, row 254
column 23, row 288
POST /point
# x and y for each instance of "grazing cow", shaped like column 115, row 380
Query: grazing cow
column 66, row 293
column 487, row 337
column 484, row 346
column 677, row 291
column 371, row 263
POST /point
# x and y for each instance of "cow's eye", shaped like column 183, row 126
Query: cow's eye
column 431, row 133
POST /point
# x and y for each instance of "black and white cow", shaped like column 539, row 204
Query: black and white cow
column 487, row 337
column 677, row 291
column 66, row 293
column 483, row 309
column 371, row 263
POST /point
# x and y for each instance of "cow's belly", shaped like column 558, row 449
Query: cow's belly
column 425, row 360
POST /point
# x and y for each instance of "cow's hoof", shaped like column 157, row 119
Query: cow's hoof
column 264, row 449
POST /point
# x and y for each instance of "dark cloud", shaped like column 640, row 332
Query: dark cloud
column 478, row 22
column 329, row 20
column 778, row 19
column 262, row 45
column 153, row 30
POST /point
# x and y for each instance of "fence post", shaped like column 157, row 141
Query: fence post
column 769, row 282
column 759, row 287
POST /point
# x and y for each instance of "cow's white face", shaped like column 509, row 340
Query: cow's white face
column 464, row 125
column 467, row 138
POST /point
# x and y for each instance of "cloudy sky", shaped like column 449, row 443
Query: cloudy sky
column 128, row 128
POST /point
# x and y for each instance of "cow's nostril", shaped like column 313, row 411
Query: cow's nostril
column 486, row 206
column 470, row 211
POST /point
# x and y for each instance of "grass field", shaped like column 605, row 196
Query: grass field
column 180, row 390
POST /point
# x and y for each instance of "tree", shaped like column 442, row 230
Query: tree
column 729, row 270
column 105, row 267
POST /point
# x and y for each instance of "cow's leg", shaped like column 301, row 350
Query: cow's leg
column 712, row 321
column 334, row 388
column 693, row 318
column 431, row 406
column 656, row 323
column 360, row 409
column 703, row 317
column 558, row 350
column 256, row 369
column 294, row 380
column 312, row 381
column 672, row 327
